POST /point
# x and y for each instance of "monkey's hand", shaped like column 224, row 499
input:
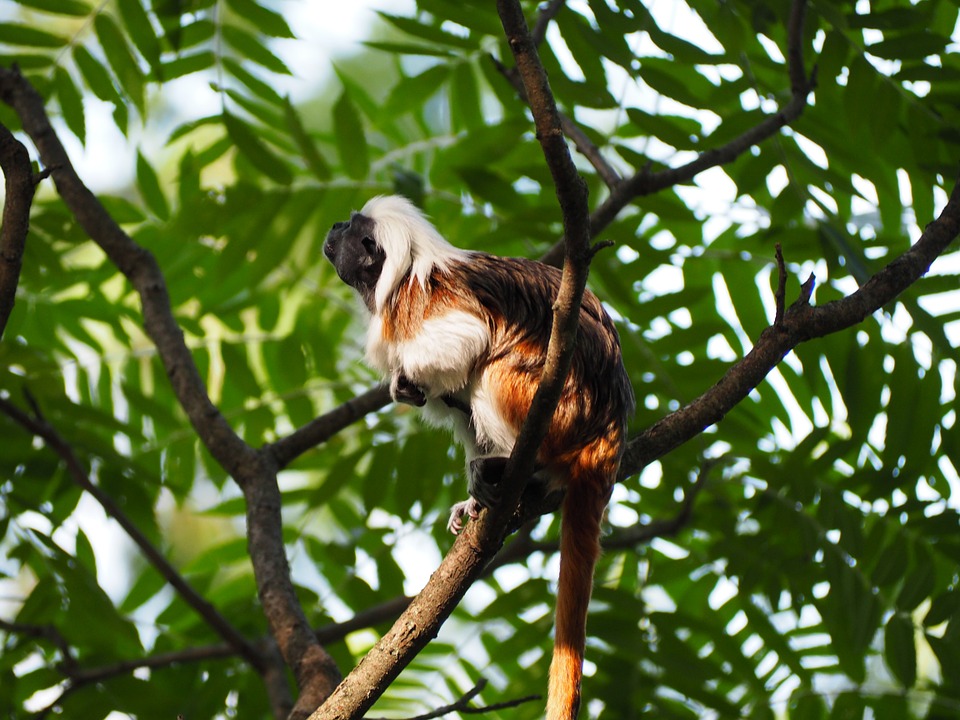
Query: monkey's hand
column 469, row 507
column 403, row 390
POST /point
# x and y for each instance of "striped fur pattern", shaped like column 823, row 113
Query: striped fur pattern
column 470, row 330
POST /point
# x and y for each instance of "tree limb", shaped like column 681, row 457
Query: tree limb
column 18, row 197
column 801, row 322
column 255, row 472
column 319, row 430
column 44, row 430
column 644, row 182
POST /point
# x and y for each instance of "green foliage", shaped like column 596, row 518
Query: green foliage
column 818, row 574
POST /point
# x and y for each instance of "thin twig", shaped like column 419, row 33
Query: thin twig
column 45, row 632
column 547, row 13
column 581, row 141
column 781, row 288
column 287, row 449
column 461, row 705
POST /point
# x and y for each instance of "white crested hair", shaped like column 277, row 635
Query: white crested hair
column 409, row 241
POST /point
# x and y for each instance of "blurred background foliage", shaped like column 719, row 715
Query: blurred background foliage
column 817, row 576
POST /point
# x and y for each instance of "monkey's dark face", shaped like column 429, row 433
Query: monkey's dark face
column 357, row 257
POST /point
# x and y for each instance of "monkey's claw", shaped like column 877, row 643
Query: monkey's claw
column 469, row 507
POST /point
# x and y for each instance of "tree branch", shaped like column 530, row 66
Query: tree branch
column 801, row 322
column 255, row 472
column 19, row 187
column 319, row 430
column 547, row 13
column 42, row 429
column 644, row 182
column 585, row 146
column 44, row 632
column 475, row 547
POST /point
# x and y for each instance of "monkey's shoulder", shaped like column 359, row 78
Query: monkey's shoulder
column 519, row 289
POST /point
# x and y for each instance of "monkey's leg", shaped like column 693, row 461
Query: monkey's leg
column 483, row 484
column 484, row 481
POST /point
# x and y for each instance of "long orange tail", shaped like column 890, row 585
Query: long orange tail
column 586, row 498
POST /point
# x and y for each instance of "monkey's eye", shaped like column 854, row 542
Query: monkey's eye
column 369, row 244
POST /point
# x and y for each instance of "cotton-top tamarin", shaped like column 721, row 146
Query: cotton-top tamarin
column 465, row 335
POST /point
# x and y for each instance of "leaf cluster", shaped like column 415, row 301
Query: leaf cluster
column 817, row 575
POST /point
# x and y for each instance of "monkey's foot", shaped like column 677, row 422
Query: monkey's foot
column 403, row 390
column 470, row 507
column 484, row 481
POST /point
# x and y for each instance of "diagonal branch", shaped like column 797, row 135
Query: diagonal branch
column 474, row 548
column 255, row 472
column 581, row 141
column 42, row 429
column 801, row 322
column 319, row 430
column 19, row 187
column 644, row 182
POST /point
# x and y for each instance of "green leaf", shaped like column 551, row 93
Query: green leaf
column 140, row 30
column 909, row 46
column 944, row 607
column 263, row 90
column 900, row 649
column 26, row 36
column 412, row 93
column 397, row 48
column 465, row 108
column 680, row 132
column 351, row 138
column 430, row 33
column 252, row 49
column 187, row 64
column 95, row 74
column 121, row 59
column 308, row 148
column 256, row 151
column 71, row 103
column 920, row 581
column 263, row 19
column 150, row 189
column 85, row 554
column 74, row 8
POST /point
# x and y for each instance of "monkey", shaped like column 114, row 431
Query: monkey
column 463, row 335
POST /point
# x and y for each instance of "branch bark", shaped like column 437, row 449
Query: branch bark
column 255, row 472
column 38, row 426
column 19, row 187
column 475, row 547
column 801, row 322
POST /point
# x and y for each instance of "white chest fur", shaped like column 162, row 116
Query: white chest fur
column 440, row 359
